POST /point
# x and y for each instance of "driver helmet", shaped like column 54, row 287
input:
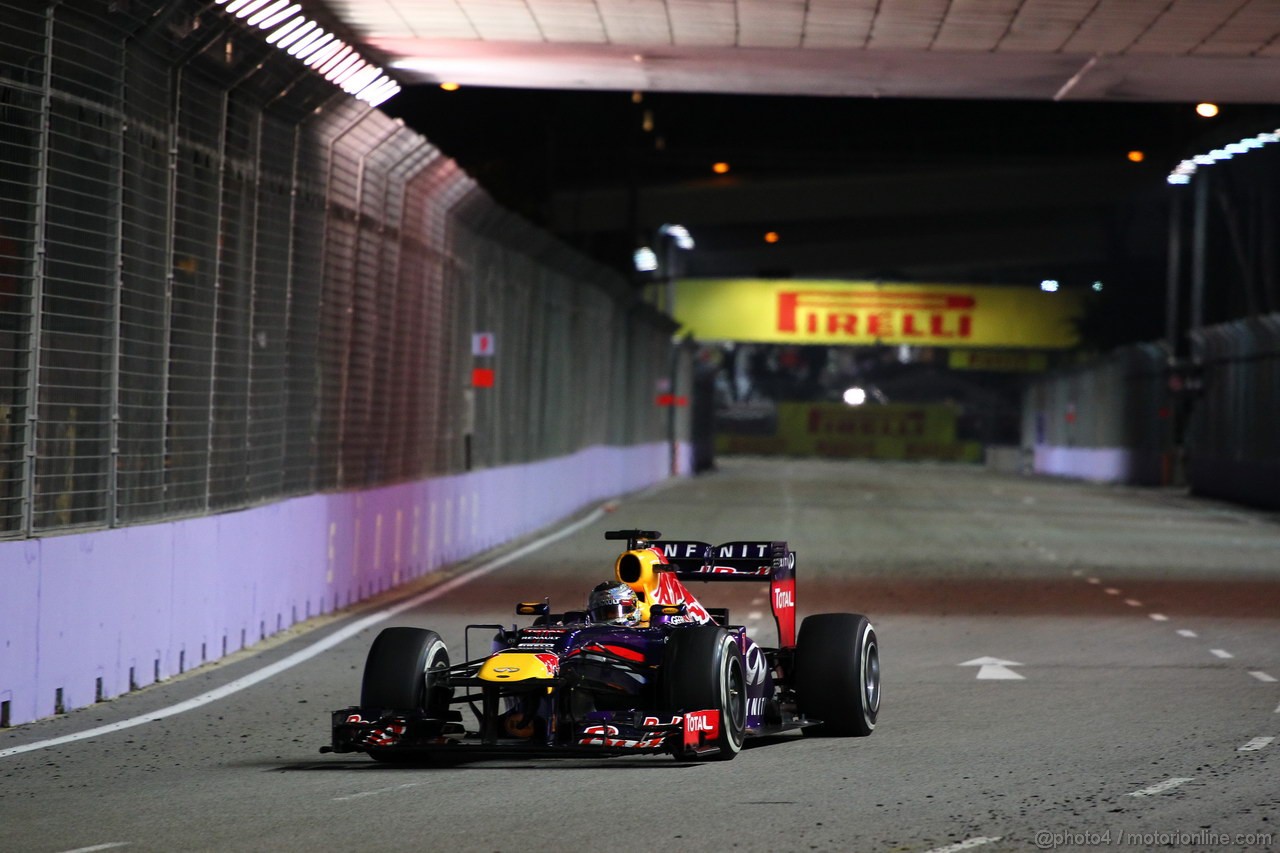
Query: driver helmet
column 614, row 603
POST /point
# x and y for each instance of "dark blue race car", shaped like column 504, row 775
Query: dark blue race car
column 651, row 671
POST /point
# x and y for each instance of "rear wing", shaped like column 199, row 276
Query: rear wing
column 766, row 561
column 732, row 561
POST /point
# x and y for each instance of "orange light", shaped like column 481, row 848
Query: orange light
column 771, row 236
column 1136, row 156
column 450, row 87
column 720, row 168
column 1207, row 110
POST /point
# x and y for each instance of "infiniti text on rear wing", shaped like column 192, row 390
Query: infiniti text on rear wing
column 741, row 561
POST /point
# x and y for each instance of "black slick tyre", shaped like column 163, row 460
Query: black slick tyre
column 838, row 674
column 702, row 670
column 398, row 673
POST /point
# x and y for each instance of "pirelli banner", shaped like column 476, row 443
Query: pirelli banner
column 860, row 313
column 905, row 432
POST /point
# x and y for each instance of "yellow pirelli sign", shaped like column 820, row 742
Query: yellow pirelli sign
column 894, row 431
column 861, row 313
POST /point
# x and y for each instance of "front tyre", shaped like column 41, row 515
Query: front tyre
column 404, row 672
column 838, row 674
column 702, row 670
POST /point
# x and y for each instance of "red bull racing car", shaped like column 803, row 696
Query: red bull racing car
column 646, row 669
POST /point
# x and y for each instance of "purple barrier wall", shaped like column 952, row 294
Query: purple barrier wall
column 84, row 614
column 1104, row 464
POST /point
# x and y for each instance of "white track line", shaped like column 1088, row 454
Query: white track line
column 1262, row 676
column 1159, row 617
column 110, row 845
column 1187, row 632
column 1221, row 653
column 317, row 648
column 1161, row 787
column 362, row 794
column 964, row 845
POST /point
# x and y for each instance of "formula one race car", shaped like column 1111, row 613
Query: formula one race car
column 650, row 671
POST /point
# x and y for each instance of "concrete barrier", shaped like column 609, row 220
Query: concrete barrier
column 84, row 617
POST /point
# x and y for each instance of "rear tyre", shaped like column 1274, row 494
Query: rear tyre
column 403, row 672
column 702, row 670
column 838, row 674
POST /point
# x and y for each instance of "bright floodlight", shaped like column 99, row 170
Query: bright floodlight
column 645, row 259
column 1049, row 285
column 1207, row 110
column 680, row 234
column 855, row 396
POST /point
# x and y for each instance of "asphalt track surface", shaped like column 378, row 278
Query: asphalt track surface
column 1145, row 625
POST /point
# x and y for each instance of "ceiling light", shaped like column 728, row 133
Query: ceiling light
column 1206, row 110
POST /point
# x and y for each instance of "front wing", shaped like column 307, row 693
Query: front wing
column 683, row 735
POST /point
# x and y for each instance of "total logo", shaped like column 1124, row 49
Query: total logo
column 783, row 599
column 702, row 721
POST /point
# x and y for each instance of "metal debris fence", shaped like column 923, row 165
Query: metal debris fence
column 223, row 281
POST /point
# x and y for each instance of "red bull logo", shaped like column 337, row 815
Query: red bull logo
column 671, row 591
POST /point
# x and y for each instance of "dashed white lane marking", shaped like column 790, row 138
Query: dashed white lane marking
column 108, row 846
column 1221, row 653
column 1185, row 632
column 319, row 647
column 361, row 795
column 1255, row 744
column 1095, row 581
column 1133, row 602
column 1111, row 590
column 1159, row 617
column 1262, row 676
column 755, row 615
column 967, row 844
column 1161, row 787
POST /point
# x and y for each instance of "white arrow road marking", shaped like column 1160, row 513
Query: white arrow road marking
column 1161, row 787
column 1255, row 744
column 994, row 669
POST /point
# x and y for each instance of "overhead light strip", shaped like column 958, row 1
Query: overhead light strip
column 306, row 40
column 1184, row 171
